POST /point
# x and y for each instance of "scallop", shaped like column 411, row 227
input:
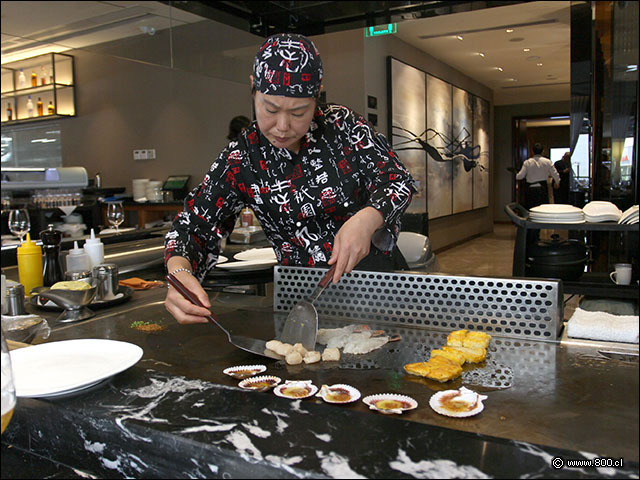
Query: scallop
column 338, row 393
column 296, row 389
column 390, row 403
column 457, row 403
column 260, row 383
column 244, row 371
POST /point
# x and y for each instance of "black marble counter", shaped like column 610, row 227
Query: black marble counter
column 174, row 414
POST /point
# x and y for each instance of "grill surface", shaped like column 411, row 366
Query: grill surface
column 520, row 308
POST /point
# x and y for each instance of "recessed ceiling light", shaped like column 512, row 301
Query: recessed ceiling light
column 459, row 37
column 481, row 54
column 526, row 49
column 509, row 30
column 539, row 64
column 510, row 80
column 499, row 68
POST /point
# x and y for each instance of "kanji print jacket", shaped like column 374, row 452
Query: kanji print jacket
column 301, row 200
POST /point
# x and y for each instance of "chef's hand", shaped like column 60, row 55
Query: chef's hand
column 353, row 240
column 182, row 309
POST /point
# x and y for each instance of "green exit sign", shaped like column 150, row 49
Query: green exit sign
column 380, row 30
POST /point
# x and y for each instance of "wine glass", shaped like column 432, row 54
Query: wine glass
column 115, row 214
column 8, row 388
column 19, row 222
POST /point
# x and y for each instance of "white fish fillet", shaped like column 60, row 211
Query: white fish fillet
column 326, row 334
column 363, row 345
column 341, row 340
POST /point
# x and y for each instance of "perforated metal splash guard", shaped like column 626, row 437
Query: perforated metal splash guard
column 509, row 307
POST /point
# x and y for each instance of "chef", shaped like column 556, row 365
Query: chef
column 325, row 187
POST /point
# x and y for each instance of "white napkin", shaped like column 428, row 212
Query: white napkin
column 603, row 326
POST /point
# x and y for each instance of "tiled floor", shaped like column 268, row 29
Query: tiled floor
column 487, row 255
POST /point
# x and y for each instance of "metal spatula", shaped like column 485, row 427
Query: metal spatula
column 301, row 325
column 252, row 345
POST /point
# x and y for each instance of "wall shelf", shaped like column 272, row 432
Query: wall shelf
column 54, row 87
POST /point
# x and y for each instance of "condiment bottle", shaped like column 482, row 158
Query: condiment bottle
column 95, row 249
column 30, row 265
column 52, row 271
column 77, row 259
column 247, row 217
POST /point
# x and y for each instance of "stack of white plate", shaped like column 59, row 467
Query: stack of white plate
column 601, row 211
column 629, row 216
column 556, row 213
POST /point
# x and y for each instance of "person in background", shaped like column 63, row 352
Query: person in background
column 535, row 171
column 563, row 167
column 327, row 189
column 237, row 125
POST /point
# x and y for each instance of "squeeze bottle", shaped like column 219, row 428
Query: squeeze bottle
column 78, row 260
column 95, row 249
column 30, row 265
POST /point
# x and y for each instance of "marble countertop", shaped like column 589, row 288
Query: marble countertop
column 174, row 414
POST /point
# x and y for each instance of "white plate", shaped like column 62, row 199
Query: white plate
column 555, row 208
column 556, row 221
column 67, row 366
column 248, row 265
column 221, row 259
column 256, row 254
column 568, row 214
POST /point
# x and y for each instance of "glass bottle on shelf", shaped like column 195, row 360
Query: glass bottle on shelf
column 34, row 79
column 39, row 107
column 29, row 107
column 9, row 112
column 43, row 76
column 50, row 108
column 22, row 81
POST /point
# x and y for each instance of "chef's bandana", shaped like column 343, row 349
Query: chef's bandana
column 288, row 65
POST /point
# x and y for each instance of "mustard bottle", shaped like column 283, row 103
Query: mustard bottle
column 30, row 265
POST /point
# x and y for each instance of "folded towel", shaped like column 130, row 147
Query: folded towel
column 603, row 326
column 139, row 284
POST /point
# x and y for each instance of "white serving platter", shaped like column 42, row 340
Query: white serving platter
column 67, row 366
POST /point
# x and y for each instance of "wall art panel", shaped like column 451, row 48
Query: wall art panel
column 461, row 139
column 439, row 168
column 408, row 120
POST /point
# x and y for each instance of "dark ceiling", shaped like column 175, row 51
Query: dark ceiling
column 318, row 17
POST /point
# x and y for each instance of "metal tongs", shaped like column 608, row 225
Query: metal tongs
column 252, row 345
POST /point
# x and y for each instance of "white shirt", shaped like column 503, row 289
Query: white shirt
column 538, row 169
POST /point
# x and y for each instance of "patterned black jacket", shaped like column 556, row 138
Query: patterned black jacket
column 301, row 200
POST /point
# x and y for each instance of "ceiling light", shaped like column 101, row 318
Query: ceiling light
column 481, row 54
column 539, row 64
column 526, row 49
column 459, row 37
column 499, row 68
column 509, row 30
column 510, row 80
